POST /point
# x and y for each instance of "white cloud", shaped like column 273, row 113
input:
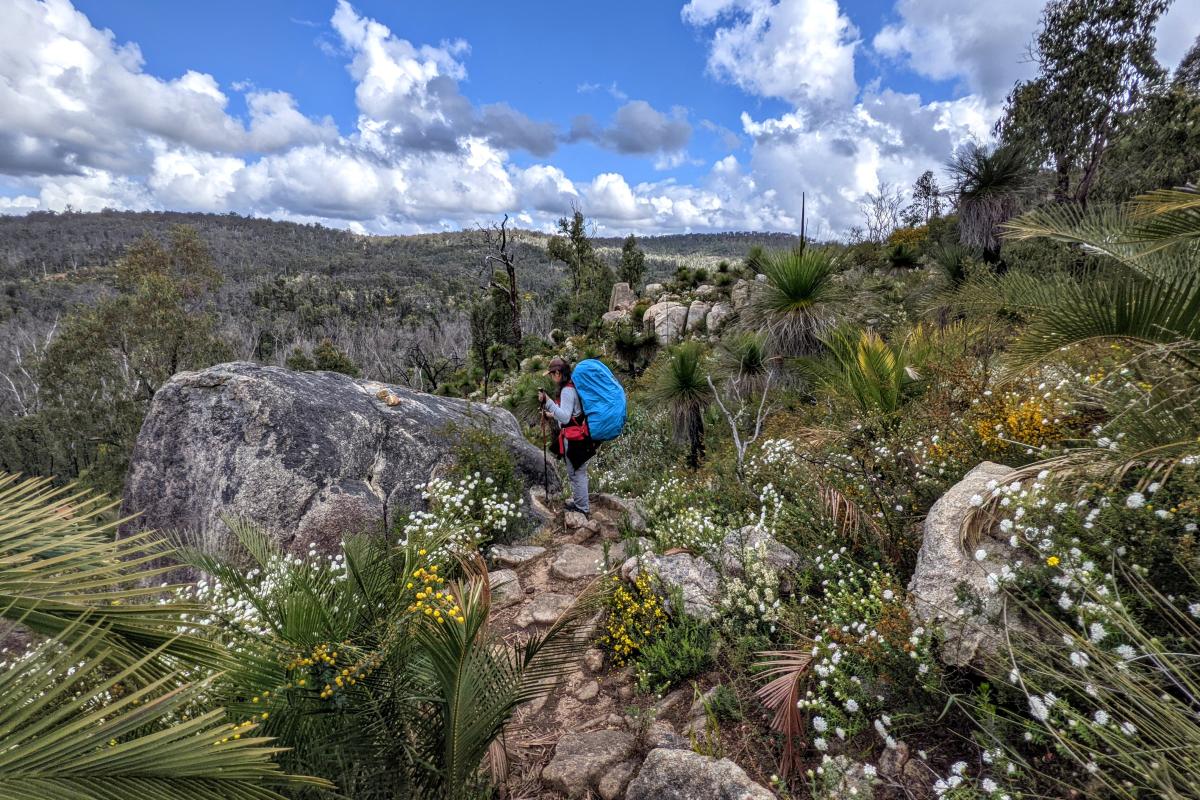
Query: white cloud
column 1177, row 32
column 984, row 45
column 638, row 129
column 189, row 180
column 801, row 51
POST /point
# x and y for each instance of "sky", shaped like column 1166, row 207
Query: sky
column 401, row 117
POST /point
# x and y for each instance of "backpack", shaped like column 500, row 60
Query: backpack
column 602, row 398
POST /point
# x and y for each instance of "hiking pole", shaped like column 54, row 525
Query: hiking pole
column 545, row 460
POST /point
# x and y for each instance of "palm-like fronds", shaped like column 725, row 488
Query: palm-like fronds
column 864, row 368
column 951, row 261
column 991, row 188
column 75, row 731
column 480, row 682
column 60, row 564
column 798, row 302
column 787, row 671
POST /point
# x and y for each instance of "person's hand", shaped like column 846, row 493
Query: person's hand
column 541, row 397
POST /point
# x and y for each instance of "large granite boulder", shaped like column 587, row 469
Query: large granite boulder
column 753, row 542
column 950, row 587
column 622, row 298
column 717, row 316
column 697, row 315
column 684, row 775
column 696, row 579
column 666, row 319
column 581, row 760
column 307, row 456
column 740, row 294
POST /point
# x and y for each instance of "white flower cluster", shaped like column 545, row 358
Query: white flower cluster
column 752, row 600
column 464, row 515
column 676, row 521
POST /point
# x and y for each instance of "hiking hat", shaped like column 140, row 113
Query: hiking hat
column 559, row 364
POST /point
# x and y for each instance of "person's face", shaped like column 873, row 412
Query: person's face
column 556, row 375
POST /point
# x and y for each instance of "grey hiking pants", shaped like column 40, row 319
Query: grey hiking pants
column 579, row 484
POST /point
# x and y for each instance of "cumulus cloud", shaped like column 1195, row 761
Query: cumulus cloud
column 637, row 129
column 801, row 51
column 984, row 45
column 72, row 99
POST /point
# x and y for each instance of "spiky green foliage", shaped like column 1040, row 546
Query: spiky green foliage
column 76, row 731
column 991, row 187
column 411, row 705
column 1147, row 303
column 903, row 256
column 107, row 706
column 682, row 387
column 743, row 359
column 62, row 565
column 799, row 301
column 951, row 262
column 873, row 374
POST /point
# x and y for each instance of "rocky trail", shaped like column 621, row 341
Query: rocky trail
column 585, row 738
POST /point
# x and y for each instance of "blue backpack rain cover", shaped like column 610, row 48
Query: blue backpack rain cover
column 602, row 397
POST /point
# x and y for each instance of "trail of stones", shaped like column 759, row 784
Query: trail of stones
column 575, row 740
column 581, row 740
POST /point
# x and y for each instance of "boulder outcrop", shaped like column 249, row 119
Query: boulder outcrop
column 308, row 456
column 697, row 315
column 684, row 775
column 622, row 298
column 947, row 573
column 666, row 319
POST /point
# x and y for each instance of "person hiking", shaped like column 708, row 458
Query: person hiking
column 572, row 444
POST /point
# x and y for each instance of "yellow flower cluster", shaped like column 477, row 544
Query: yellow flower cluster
column 1029, row 421
column 321, row 654
column 635, row 616
column 435, row 603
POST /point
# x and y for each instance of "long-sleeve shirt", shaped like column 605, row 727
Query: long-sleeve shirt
column 567, row 407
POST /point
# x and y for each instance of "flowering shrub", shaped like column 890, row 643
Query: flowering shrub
column 462, row 516
column 1030, row 419
column 1108, row 580
column 682, row 515
column 751, row 603
column 866, row 653
column 635, row 616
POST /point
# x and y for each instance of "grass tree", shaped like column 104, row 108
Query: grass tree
column 798, row 302
column 682, row 387
column 991, row 187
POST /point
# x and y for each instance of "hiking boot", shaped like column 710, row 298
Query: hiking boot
column 570, row 506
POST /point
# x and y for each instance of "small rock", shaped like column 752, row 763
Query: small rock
column 625, row 693
column 737, row 544
column 573, row 520
column 581, row 759
column 653, row 290
column 574, row 562
column 514, row 555
column 684, row 775
column 593, row 659
column 891, row 763
column 543, row 609
column 662, row 734
column 706, row 290
column 506, row 588
column 612, row 785
column 588, row 691
column 671, row 700
column 740, row 294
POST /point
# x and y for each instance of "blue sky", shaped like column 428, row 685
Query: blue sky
column 404, row 116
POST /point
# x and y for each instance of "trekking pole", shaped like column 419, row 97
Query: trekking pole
column 545, row 461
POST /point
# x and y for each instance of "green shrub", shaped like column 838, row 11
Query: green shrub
column 680, row 651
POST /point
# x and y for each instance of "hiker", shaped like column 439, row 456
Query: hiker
column 573, row 443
